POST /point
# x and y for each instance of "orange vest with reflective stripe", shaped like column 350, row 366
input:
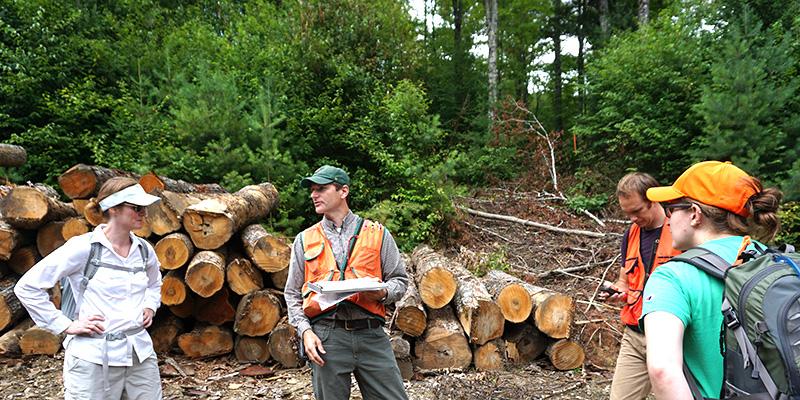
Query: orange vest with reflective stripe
column 634, row 268
column 320, row 265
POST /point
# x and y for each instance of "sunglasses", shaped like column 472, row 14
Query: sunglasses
column 134, row 207
column 669, row 208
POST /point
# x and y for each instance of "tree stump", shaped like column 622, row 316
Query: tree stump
column 27, row 207
column 257, row 314
column 565, row 354
column 205, row 274
column 284, row 344
column 174, row 250
column 212, row 222
column 251, row 349
column 435, row 283
column 268, row 252
column 443, row 345
column 242, row 277
column 206, row 341
column 509, row 293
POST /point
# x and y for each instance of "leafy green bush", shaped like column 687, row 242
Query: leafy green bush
column 790, row 224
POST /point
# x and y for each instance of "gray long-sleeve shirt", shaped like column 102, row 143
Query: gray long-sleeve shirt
column 392, row 267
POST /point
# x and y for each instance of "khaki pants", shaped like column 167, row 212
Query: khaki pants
column 83, row 380
column 631, row 381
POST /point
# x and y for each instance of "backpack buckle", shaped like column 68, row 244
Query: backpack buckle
column 730, row 319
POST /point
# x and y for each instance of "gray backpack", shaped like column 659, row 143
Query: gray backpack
column 68, row 304
column 760, row 336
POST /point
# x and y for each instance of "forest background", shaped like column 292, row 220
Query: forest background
column 241, row 92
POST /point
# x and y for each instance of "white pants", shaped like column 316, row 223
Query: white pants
column 83, row 380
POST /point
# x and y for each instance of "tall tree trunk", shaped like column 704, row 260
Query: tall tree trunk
column 458, row 63
column 558, row 122
column 491, row 28
column 644, row 12
column 581, row 55
column 603, row 12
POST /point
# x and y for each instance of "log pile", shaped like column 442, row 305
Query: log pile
column 222, row 272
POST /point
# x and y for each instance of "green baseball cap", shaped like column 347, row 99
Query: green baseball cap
column 326, row 174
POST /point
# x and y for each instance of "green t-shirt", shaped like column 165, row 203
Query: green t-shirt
column 696, row 299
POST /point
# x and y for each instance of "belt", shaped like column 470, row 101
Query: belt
column 353, row 324
column 108, row 337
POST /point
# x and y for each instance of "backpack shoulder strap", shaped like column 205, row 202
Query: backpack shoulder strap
column 693, row 386
column 705, row 260
column 92, row 264
column 143, row 251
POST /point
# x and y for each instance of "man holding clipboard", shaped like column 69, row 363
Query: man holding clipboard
column 346, row 337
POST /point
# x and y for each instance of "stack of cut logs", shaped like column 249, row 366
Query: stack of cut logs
column 224, row 274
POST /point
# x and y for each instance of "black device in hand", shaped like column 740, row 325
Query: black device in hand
column 611, row 290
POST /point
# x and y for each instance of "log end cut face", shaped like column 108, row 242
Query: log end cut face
column 173, row 291
column 172, row 253
column 437, row 287
column 208, row 227
column 258, row 314
column 411, row 320
column 515, row 303
column 554, row 316
column 25, row 206
column 210, row 341
column 78, row 182
column 205, row 279
column 487, row 323
column 566, row 355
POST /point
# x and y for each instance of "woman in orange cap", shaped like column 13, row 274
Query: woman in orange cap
column 717, row 206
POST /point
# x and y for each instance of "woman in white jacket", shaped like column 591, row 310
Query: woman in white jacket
column 113, row 281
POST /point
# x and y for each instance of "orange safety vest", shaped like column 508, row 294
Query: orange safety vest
column 320, row 265
column 634, row 268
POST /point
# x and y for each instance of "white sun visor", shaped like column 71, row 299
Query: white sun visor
column 132, row 194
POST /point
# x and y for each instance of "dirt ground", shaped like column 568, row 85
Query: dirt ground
column 533, row 254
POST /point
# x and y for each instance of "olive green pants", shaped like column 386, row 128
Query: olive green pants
column 365, row 353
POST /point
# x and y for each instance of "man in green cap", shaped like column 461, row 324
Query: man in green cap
column 348, row 337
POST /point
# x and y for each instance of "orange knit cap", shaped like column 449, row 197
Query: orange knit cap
column 715, row 183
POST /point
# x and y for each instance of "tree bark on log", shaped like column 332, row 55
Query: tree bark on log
column 173, row 288
column 74, row 226
column 279, row 278
column 83, row 181
column 243, row 277
column 12, row 155
column 9, row 342
column 215, row 310
column 490, row 356
column 257, row 314
column 174, row 250
column 40, row 341
column 251, row 349
column 409, row 314
column 23, row 259
column 151, row 181
column 49, row 238
column 565, row 354
column 402, row 354
column 206, row 341
column 164, row 333
column 552, row 311
column 10, row 239
column 212, row 222
column 185, row 309
column 435, row 283
column 509, row 293
column 205, row 274
column 524, row 343
column 284, row 345
column 11, row 309
column 479, row 314
column 165, row 216
column 28, row 207
column 268, row 252
column 443, row 345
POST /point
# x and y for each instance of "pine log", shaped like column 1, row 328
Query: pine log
column 74, row 226
column 257, row 314
column 150, row 181
column 9, row 342
column 443, row 345
column 165, row 216
column 10, row 239
column 479, row 314
column 565, row 354
column 409, row 314
column 284, row 344
column 215, row 310
column 10, row 308
column 173, row 288
column 212, row 222
column 48, row 237
column 267, row 251
column 31, row 207
column 435, row 283
column 23, row 259
column 242, row 277
column 94, row 216
column 524, row 343
column 12, row 155
column 490, row 356
column 279, row 278
column 251, row 349
column 402, row 354
column 185, row 309
column 206, row 341
column 552, row 311
column 37, row 340
column 164, row 333
column 205, row 274
column 509, row 293
column 83, row 181
column 174, row 250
